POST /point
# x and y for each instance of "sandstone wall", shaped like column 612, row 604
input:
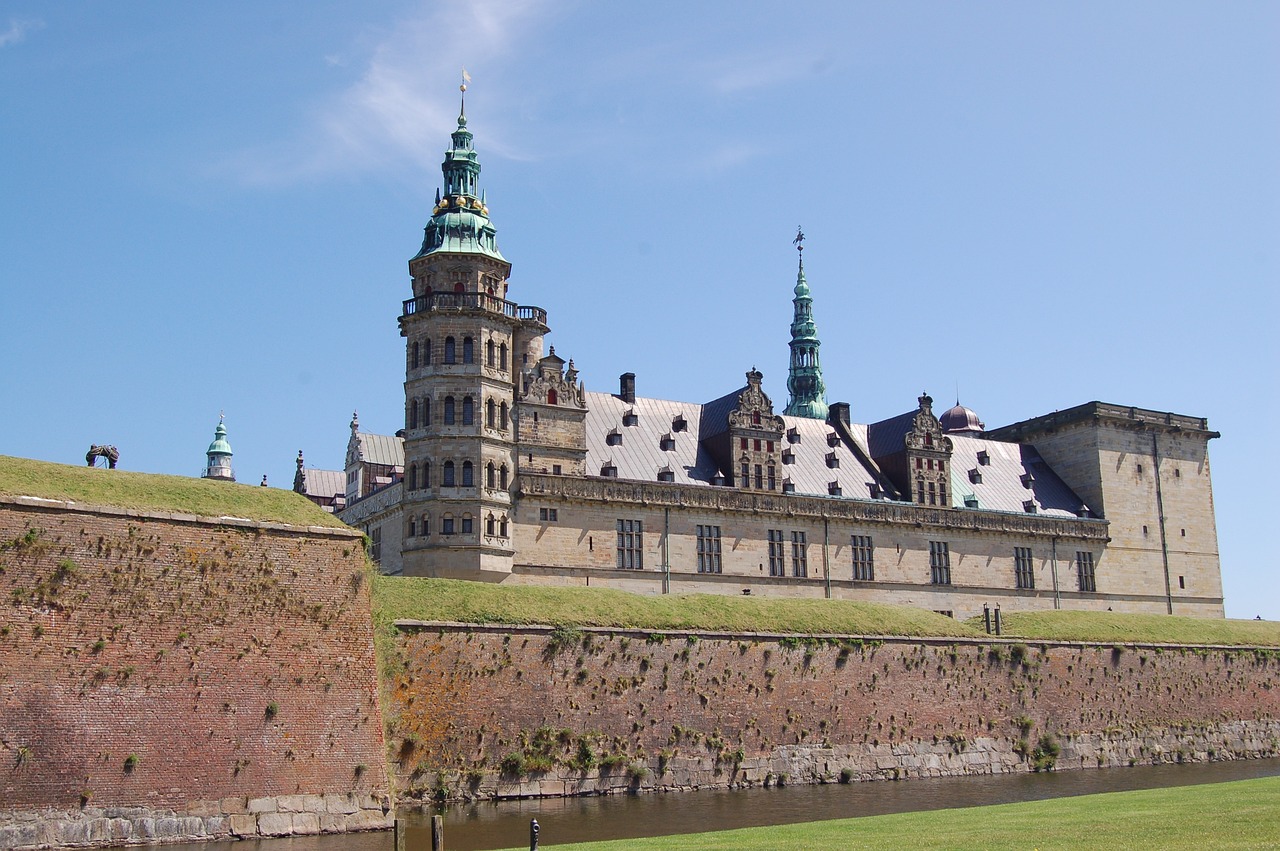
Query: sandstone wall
column 600, row 710
column 168, row 676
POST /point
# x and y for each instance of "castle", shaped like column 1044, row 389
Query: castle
column 509, row 470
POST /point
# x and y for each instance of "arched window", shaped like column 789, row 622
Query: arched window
column 450, row 355
column 426, row 478
column 426, row 525
column 426, row 351
column 413, row 527
column 773, row 477
column 502, row 418
column 467, row 527
column 448, row 474
column 502, row 526
column 459, row 287
column 490, row 413
column 490, row 476
column 446, row 524
column 468, row 350
column 413, row 355
column 502, row 477
column 413, row 477
column 468, row 410
column 489, row 353
column 448, row 410
column 413, row 413
column 551, row 397
column 468, row 476
column 502, row 356
column 490, row 525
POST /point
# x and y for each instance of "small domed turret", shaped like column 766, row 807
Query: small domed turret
column 961, row 420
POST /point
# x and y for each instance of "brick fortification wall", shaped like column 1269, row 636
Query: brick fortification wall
column 519, row 711
column 167, row 676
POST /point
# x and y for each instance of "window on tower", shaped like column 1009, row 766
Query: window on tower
column 489, row 357
column 449, row 480
column 502, row 356
column 468, row 474
column 413, row 355
column 426, row 351
column 449, row 412
column 450, row 350
column 490, row 413
column 468, row 350
column 468, row 410
column 491, row 476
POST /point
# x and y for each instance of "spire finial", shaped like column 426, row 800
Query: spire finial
column 798, row 242
column 462, row 113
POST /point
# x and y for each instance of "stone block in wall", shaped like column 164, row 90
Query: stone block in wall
column 275, row 824
column 243, row 825
column 263, row 805
column 340, row 804
column 233, row 806
column 306, row 823
column 370, row 820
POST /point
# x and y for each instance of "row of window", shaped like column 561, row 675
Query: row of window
column 494, row 526
column 419, row 478
column 631, row 557
column 496, row 415
column 422, row 354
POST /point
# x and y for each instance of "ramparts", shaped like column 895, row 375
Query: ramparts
column 493, row 711
column 167, row 676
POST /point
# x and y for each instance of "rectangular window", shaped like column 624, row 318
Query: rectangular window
column 939, row 563
column 799, row 555
column 375, row 544
column 864, row 567
column 630, row 545
column 1022, row 568
column 777, row 555
column 548, row 515
column 1084, row 572
column 709, row 549
column 446, row 526
column 467, row 527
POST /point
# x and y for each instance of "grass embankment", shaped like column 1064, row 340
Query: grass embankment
column 1116, row 628
column 152, row 492
column 1220, row 815
column 396, row 598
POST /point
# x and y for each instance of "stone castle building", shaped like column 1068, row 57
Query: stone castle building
column 509, row 470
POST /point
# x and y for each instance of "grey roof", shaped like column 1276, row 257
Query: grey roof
column 328, row 483
column 639, row 454
column 1002, row 487
column 889, row 436
column 386, row 449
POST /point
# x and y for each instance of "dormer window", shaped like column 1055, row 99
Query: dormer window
column 793, row 435
column 788, row 457
column 788, row 486
column 874, row 490
column 975, row 476
column 971, row 501
column 1029, row 506
column 984, row 459
column 609, row 470
column 1027, row 480
column 833, row 488
column 755, row 418
column 630, row 418
column 832, row 461
column 551, row 397
column 928, row 439
column 666, row 475
column 1083, row 511
column 667, row 443
column 613, row 438
column 679, row 423
column 833, row 439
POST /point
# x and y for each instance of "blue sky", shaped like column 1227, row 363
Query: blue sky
column 211, row 208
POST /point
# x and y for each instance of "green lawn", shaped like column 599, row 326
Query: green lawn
column 477, row 602
column 1242, row 814
column 1112, row 628
column 152, row 492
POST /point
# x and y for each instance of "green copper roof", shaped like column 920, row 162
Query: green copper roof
column 219, row 445
column 460, row 219
column 804, row 379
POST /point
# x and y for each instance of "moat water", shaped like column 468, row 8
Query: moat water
column 505, row 824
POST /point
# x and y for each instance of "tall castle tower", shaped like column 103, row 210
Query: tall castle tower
column 219, row 454
column 466, row 346
column 804, row 380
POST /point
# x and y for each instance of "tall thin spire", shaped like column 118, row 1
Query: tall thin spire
column 804, row 379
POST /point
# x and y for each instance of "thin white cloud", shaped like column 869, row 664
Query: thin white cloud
column 17, row 31
column 743, row 73
column 406, row 97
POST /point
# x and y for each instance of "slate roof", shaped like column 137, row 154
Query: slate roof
column 326, row 483
column 386, row 449
column 1002, row 487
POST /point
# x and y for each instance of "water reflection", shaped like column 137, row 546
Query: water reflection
column 505, row 824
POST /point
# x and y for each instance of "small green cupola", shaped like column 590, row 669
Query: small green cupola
column 804, row 380
column 460, row 219
column 219, row 455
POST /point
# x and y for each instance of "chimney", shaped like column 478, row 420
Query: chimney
column 627, row 387
column 839, row 411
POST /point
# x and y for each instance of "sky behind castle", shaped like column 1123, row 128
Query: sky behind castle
column 211, row 208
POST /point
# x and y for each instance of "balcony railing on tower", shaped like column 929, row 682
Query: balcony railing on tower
column 444, row 302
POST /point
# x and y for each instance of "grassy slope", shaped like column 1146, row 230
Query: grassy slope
column 1112, row 627
column 1221, row 815
column 475, row 602
column 150, row 492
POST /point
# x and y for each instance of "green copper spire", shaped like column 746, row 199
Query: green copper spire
column 460, row 219
column 219, row 455
column 804, row 380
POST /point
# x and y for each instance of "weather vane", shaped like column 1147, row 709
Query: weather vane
column 466, row 78
column 798, row 242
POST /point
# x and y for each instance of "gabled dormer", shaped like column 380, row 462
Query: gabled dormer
column 755, row 439
column 928, row 458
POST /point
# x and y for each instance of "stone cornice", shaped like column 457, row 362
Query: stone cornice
column 716, row 499
column 1118, row 415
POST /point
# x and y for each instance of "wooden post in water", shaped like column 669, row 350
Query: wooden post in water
column 533, row 835
column 437, row 833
